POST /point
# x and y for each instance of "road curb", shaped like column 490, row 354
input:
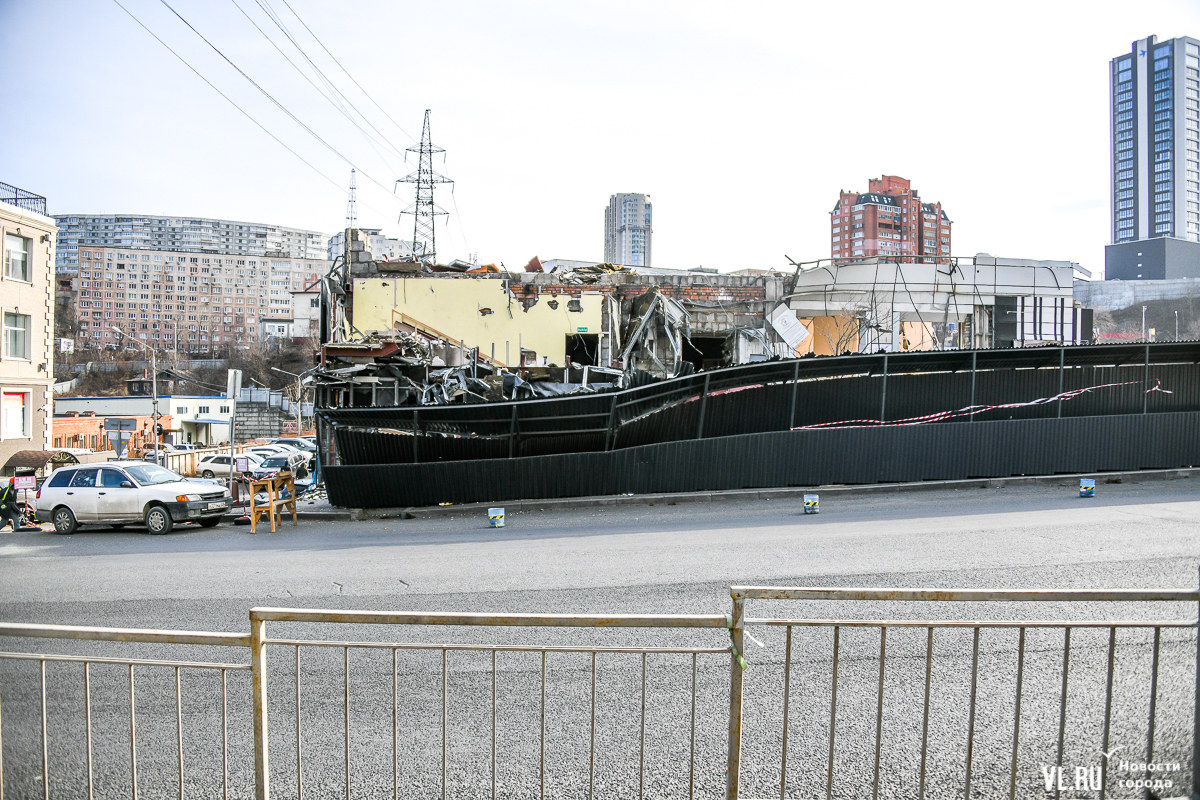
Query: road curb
column 783, row 493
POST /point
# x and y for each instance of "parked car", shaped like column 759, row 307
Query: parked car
column 185, row 446
column 217, row 464
column 297, row 463
column 299, row 443
column 131, row 493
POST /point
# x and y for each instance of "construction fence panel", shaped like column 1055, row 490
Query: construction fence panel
column 950, row 451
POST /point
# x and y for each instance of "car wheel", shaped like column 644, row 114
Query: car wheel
column 64, row 521
column 208, row 473
column 158, row 520
column 210, row 523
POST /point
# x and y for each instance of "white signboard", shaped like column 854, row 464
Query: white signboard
column 241, row 464
column 783, row 320
column 25, row 482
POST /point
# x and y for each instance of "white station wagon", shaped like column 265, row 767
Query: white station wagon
column 131, row 493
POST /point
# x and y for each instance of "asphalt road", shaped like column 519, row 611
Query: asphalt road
column 665, row 559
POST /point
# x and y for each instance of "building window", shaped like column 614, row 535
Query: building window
column 202, row 409
column 13, row 406
column 16, row 257
column 16, row 335
column 224, row 409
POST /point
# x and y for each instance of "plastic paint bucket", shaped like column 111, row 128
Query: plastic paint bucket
column 1087, row 487
column 496, row 517
column 812, row 504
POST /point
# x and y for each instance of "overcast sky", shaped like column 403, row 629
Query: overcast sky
column 741, row 120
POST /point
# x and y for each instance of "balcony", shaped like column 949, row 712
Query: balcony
column 22, row 199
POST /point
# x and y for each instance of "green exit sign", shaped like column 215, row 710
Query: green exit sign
column 581, row 330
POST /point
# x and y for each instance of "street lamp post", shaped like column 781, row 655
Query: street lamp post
column 1143, row 323
column 153, row 392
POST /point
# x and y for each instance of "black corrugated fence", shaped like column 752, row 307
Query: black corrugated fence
column 997, row 448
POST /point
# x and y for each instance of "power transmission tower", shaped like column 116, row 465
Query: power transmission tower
column 352, row 204
column 424, row 210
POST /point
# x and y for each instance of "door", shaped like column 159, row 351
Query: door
column 114, row 502
column 82, row 495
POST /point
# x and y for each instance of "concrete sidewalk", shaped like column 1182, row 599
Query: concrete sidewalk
column 790, row 492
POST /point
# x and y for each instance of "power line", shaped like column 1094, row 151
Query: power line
column 328, row 99
column 227, row 98
column 267, row 94
column 270, row 12
column 348, row 75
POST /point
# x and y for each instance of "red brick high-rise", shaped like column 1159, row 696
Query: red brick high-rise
column 889, row 220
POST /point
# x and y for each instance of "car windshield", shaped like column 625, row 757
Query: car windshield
column 150, row 475
column 277, row 461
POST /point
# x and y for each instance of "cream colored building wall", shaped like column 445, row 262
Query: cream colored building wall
column 35, row 298
column 455, row 308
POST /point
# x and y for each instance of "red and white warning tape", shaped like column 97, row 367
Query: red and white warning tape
column 972, row 410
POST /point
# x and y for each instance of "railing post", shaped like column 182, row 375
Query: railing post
column 1061, row 358
column 1196, row 717
column 974, row 357
column 1146, row 380
column 703, row 406
column 883, row 393
column 416, row 437
column 736, row 627
column 258, row 677
column 612, row 418
column 795, row 387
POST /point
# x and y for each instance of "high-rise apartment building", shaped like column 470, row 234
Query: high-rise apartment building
column 1155, row 130
column 627, row 230
column 888, row 220
column 220, row 237
column 187, row 302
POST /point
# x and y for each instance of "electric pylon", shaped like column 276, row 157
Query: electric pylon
column 352, row 204
column 424, row 210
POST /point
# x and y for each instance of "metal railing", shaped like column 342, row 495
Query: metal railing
column 991, row 702
column 84, row 689
column 884, row 716
column 22, row 199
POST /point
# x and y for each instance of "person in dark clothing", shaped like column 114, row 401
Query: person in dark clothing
column 10, row 508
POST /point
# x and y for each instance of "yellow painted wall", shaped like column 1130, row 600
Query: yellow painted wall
column 452, row 307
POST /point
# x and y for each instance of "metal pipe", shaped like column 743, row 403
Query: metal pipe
column 925, row 714
column 87, row 732
column 1062, row 710
column 795, row 390
column 122, row 634
column 132, row 738
column 542, row 736
column 879, row 713
column 1108, row 686
column 974, row 360
column 642, row 734
column 1196, row 713
column 1145, row 406
column 1061, row 355
column 179, row 728
column 787, row 686
column 1012, row 786
column 45, row 737
column 494, row 721
column 512, row 432
column 703, row 407
column 832, row 715
column 1153, row 695
column 224, row 736
column 258, row 678
column 416, row 437
column 346, row 714
column 734, row 760
column 971, row 717
column 691, row 740
column 592, row 736
column 445, row 720
column 299, row 754
column 506, row 620
column 953, row 595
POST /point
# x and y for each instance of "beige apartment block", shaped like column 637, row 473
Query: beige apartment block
column 27, row 305
column 185, row 302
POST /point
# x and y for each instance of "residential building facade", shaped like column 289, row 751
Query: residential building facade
column 179, row 301
column 379, row 246
column 628, row 230
column 889, row 220
column 211, row 237
column 1155, row 158
column 27, row 285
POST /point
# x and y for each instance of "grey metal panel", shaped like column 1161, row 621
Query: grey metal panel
column 790, row 458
